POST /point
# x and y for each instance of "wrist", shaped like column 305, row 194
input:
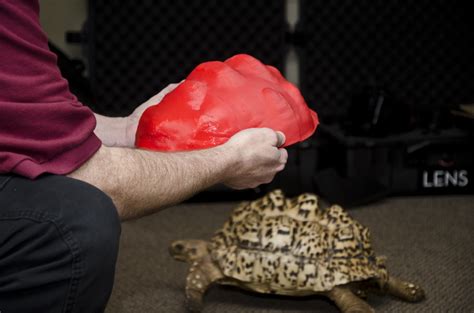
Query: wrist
column 130, row 129
column 112, row 130
column 231, row 161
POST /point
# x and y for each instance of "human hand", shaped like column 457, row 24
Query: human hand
column 256, row 157
column 134, row 118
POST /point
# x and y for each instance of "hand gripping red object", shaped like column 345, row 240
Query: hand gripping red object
column 218, row 99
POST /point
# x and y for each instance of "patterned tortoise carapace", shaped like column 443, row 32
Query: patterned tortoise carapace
column 218, row 99
column 291, row 247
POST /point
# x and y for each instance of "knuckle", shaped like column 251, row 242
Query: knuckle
column 268, row 132
column 254, row 185
column 276, row 155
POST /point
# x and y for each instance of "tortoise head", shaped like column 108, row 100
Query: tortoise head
column 189, row 250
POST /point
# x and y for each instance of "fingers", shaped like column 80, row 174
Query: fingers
column 260, row 148
column 283, row 156
column 172, row 87
column 268, row 135
column 277, row 138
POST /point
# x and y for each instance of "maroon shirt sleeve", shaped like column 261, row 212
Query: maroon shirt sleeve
column 43, row 128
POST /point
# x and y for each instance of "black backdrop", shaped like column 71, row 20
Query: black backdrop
column 136, row 48
column 419, row 50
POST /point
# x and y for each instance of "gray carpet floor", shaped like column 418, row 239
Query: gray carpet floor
column 429, row 240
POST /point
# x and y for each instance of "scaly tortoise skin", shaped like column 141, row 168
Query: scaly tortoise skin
column 291, row 247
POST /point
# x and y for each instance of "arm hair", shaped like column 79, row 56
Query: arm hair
column 142, row 182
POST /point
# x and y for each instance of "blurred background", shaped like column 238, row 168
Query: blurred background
column 392, row 81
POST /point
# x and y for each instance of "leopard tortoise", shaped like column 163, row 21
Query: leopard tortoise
column 291, row 247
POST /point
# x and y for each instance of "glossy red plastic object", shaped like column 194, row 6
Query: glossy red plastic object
column 218, row 99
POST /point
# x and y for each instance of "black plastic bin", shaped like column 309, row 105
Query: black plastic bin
column 354, row 170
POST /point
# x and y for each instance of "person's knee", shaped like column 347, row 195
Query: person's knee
column 84, row 230
column 87, row 212
column 96, row 227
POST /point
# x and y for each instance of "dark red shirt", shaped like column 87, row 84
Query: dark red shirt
column 43, row 127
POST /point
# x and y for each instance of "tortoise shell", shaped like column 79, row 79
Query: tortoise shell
column 275, row 244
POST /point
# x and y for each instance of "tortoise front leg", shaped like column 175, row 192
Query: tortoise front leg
column 201, row 275
column 404, row 290
column 349, row 302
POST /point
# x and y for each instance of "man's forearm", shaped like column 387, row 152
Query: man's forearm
column 142, row 182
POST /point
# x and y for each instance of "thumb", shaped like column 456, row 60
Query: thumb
column 281, row 138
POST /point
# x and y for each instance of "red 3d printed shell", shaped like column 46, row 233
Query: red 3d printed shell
column 218, row 99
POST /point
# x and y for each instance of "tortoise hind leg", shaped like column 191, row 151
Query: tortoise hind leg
column 201, row 275
column 348, row 302
column 404, row 290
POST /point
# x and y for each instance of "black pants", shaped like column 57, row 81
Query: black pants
column 58, row 245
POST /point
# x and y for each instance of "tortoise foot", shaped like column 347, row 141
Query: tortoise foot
column 361, row 294
column 364, row 309
column 348, row 302
column 194, row 302
column 413, row 293
column 193, row 308
column 405, row 290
